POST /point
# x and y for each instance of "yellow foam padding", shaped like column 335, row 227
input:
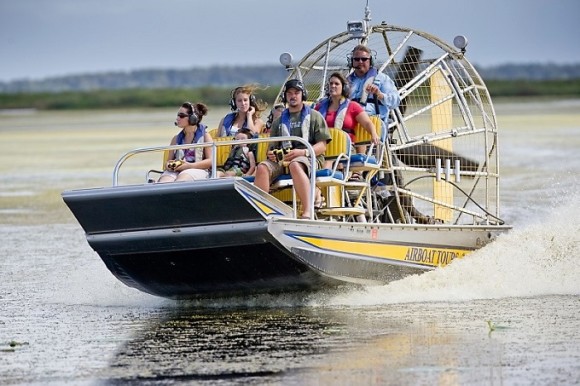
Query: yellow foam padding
column 284, row 195
column 340, row 144
column 441, row 120
column 222, row 151
column 213, row 132
column 364, row 137
column 165, row 159
column 333, row 196
column 262, row 149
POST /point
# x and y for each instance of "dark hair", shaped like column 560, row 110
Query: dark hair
column 200, row 109
column 345, row 85
column 248, row 132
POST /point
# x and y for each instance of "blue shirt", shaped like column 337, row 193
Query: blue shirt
column 391, row 98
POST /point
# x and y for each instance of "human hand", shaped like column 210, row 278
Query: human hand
column 183, row 165
column 375, row 138
column 295, row 153
column 251, row 110
column 373, row 89
column 174, row 164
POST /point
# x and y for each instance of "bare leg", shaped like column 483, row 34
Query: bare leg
column 164, row 179
column 302, row 186
column 192, row 175
column 262, row 179
column 361, row 149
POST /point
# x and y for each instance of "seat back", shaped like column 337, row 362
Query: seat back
column 262, row 149
column 339, row 146
column 363, row 137
column 213, row 132
column 222, row 151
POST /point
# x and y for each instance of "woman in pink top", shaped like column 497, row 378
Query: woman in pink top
column 340, row 113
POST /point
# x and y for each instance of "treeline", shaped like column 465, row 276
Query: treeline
column 101, row 99
column 216, row 96
column 230, row 76
column 219, row 76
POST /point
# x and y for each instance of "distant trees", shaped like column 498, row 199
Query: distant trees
column 163, row 88
column 225, row 76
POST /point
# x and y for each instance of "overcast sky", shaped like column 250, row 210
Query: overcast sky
column 42, row 38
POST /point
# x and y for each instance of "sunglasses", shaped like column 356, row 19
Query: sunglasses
column 360, row 59
column 182, row 115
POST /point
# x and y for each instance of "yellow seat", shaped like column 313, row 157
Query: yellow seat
column 338, row 155
column 262, row 151
column 362, row 136
column 213, row 132
column 222, row 150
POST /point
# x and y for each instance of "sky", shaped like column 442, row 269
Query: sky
column 45, row 38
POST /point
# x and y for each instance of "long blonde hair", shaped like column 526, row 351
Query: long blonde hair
column 249, row 89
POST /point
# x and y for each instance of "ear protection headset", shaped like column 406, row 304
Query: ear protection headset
column 233, row 99
column 193, row 118
column 372, row 55
column 297, row 84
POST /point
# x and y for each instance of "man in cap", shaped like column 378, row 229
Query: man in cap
column 301, row 121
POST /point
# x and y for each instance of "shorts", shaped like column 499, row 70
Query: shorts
column 276, row 169
column 192, row 174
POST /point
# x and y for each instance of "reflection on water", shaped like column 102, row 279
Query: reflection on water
column 71, row 321
column 420, row 343
column 197, row 344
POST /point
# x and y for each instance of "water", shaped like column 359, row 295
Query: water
column 506, row 314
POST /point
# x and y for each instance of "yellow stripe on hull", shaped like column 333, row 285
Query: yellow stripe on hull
column 433, row 257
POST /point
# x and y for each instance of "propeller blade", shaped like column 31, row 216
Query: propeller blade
column 407, row 71
column 424, row 156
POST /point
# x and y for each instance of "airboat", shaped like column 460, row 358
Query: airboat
column 430, row 192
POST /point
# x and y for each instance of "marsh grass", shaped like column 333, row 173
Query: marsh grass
column 45, row 153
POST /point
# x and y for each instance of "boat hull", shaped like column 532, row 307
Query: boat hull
column 225, row 237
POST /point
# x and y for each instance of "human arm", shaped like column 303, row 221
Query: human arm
column 387, row 92
column 258, row 126
column 252, row 160
column 255, row 125
column 365, row 121
column 220, row 129
column 384, row 89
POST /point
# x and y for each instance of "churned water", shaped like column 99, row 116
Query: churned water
column 505, row 315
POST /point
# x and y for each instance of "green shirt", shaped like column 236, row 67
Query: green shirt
column 318, row 131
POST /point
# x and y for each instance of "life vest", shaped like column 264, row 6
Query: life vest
column 367, row 80
column 340, row 113
column 238, row 158
column 229, row 122
column 191, row 155
column 304, row 118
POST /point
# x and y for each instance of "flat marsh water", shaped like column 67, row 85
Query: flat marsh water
column 505, row 315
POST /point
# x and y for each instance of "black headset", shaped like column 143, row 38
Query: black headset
column 233, row 106
column 193, row 118
column 294, row 83
column 372, row 56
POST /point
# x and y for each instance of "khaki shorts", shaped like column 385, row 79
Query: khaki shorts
column 276, row 169
column 193, row 174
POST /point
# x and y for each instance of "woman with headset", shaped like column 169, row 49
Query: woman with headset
column 341, row 113
column 189, row 164
column 246, row 111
